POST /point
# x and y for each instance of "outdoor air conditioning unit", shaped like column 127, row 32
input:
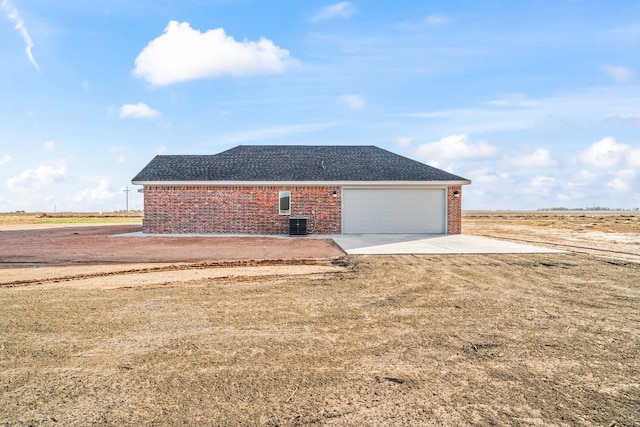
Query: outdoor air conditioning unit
column 297, row 226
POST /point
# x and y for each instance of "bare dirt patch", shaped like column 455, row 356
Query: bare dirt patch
column 392, row 340
column 126, row 276
column 91, row 256
column 96, row 245
column 612, row 234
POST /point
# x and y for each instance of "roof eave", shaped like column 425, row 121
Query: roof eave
column 308, row 183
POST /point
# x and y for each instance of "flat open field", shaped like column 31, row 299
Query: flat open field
column 10, row 221
column 611, row 234
column 186, row 336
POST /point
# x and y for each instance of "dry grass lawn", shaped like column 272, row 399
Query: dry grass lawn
column 533, row 340
column 36, row 220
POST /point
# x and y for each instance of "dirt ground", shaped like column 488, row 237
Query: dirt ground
column 92, row 255
column 209, row 332
column 101, row 244
column 609, row 234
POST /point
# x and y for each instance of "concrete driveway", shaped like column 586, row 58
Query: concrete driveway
column 386, row 244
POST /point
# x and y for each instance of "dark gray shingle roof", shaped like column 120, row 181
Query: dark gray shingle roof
column 264, row 163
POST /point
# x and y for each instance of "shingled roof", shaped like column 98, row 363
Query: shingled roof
column 290, row 163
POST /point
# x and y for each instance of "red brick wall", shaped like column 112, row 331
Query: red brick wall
column 454, row 210
column 237, row 209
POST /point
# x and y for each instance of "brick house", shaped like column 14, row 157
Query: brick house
column 337, row 189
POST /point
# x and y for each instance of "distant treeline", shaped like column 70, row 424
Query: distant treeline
column 594, row 208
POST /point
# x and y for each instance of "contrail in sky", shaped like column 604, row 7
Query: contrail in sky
column 14, row 16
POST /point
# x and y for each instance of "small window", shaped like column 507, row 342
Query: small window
column 285, row 203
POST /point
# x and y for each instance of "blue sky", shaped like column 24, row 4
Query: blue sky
column 537, row 102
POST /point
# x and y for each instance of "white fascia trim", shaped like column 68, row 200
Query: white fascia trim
column 305, row 183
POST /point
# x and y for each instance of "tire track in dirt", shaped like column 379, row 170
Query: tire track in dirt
column 173, row 268
column 601, row 252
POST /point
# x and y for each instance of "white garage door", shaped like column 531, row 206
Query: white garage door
column 393, row 211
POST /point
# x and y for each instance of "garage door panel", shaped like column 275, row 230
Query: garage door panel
column 394, row 211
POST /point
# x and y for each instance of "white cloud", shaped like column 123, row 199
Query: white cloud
column 633, row 159
column 484, row 176
column 160, row 150
column 583, row 178
column 32, row 179
column 606, row 153
column 355, row 102
column 102, row 192
column 339, row 10
column 454, row 147
column 138, row 111
column 619, row 74
column 4, row 159
column 540, row 185
column 623, row 180
column 484, row 179
column 539, row 158
column 570, row 197
column 49, row 145
column 14, row 16
column 488, row 188
column 182, row 53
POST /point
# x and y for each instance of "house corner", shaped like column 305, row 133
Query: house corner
column 454, row 209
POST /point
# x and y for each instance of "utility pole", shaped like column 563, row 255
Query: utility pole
column 126, row 192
